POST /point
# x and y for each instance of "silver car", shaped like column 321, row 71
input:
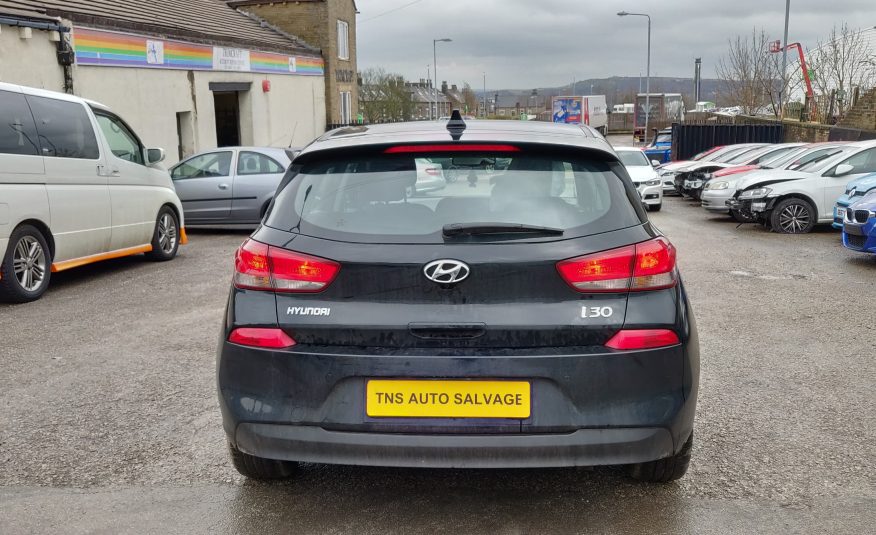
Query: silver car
column 229, row 185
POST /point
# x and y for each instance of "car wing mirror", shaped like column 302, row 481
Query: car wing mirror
column 843, row 169
column 654, row 163
column 154, row 156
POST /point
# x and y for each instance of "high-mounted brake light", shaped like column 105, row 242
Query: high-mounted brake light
column 642, row 339
column 258, row 266
column 407, row 149
column 645, row 266
column 269, row 338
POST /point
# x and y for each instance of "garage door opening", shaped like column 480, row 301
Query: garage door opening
column 227, row 106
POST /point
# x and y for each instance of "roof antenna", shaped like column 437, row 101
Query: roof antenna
column 456, row 126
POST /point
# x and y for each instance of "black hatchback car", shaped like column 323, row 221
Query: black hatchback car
column 528, row 315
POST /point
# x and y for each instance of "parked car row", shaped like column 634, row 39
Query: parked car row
column 789, row 187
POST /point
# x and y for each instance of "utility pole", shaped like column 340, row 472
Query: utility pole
column 784, row 60
column 485, row 95
column 435, row 69
column 647, row 68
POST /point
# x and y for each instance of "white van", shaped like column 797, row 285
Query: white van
column 76, row 187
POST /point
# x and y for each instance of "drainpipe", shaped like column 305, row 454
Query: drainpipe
column 66, row 56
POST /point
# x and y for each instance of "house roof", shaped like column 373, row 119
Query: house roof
column 203, row 21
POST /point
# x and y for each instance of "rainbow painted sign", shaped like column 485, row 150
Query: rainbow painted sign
column 115, row 49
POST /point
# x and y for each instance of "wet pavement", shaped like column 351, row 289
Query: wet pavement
column 110, row 422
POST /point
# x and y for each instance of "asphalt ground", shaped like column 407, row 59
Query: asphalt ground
column 110, row 424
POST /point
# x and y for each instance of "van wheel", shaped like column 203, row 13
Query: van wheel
column 165, row 238
column 260, row 468
column 664, row 470
column 655, row 207
column 27, row 266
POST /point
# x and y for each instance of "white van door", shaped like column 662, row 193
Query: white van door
column 76, row 180
column 134, row 199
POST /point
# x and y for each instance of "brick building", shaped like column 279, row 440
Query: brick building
column 329, row 25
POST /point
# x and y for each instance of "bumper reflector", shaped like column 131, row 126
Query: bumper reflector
column 261, row 337
column 642, row 339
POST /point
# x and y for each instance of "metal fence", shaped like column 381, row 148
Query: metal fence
column 688, row 140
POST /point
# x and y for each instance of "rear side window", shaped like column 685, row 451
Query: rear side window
column 64, row 128
column 17, row 129
column 254, row 163
column 412, row 198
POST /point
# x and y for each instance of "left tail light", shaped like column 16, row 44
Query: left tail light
column 258, row 266
column 644, row 266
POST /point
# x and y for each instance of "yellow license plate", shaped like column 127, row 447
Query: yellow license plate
column 447, row 399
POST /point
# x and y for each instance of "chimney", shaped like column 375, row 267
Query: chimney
column 444, row 87
column 453, row 87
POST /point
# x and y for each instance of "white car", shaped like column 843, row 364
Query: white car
column 794, row 201
column 644, row 176
column 76, row 186
column 723, row 184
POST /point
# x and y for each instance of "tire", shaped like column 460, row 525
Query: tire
column 655, row 207
column 260, row 468
column 165, row 237
column 664, row 470
column 742, row 217
column 793, row 216
column 29, row 250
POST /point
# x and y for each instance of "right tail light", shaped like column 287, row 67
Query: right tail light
column 644, row 266
column 258, row 266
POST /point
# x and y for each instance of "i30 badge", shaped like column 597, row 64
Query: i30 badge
column 446, row 271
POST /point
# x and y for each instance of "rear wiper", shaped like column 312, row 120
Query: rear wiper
column 471, row 229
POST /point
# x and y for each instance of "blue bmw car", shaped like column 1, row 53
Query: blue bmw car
column 859, row 227
column 854, row 191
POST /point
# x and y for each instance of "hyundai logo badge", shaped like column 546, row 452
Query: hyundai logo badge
column 446, row 271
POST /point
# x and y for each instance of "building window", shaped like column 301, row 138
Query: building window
column 343, row 40
column 346, row 107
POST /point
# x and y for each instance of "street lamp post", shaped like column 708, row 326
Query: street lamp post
column 784, row 61
column 648, row 70
column 485, row 95
column 435, row 67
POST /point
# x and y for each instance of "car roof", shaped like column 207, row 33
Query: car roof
column 57, row 95
column 572, row 136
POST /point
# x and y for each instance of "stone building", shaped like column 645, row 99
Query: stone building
column 329, row 25
column 187, row 75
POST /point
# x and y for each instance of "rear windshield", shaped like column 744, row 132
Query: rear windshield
column 411, row 198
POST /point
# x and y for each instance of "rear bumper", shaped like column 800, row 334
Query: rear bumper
column 586, row 409
column 584, row 447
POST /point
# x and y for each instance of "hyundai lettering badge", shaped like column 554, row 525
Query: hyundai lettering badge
column 446, row 271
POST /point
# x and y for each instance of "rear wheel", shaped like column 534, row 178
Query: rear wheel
column 165, row 239
column 664, row 470
column 793, row 216
column 260, row 468
column 25, row 270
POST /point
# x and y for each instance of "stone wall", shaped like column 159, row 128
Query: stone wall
column 863, row 114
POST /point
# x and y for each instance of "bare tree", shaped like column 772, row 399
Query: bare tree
column 838, row 66
column 383, row 97
column 470, row 99
column 746, row 70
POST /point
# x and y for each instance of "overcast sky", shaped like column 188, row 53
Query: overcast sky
column 544, row 43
